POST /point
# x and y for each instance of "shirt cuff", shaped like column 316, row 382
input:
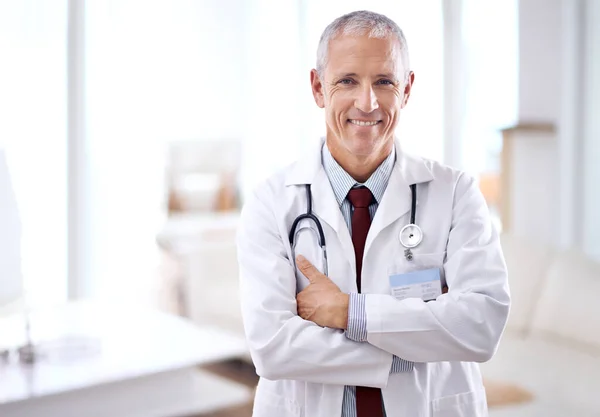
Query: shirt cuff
column 357, row 318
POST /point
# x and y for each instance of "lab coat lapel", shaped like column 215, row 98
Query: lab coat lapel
column 397, row 198
column 309, row 170
column 327, row 209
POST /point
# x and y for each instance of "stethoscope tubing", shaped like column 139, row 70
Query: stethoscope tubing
column 321, row 235
column 308, row 215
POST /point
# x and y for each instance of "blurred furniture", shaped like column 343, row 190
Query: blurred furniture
column 202, row 175
column 117, row 360
column 11, row 285
column 203, row 204
column 528, row 196
column 489, row 184
column 204, row 245
column 551, row 346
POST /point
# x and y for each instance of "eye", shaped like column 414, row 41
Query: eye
column 385, row 82
column 346, row 81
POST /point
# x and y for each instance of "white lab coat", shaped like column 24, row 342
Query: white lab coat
column 304, row 367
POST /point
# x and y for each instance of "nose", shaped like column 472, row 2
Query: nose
column 366, row 100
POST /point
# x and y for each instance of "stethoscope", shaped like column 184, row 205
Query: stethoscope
column 410, row 237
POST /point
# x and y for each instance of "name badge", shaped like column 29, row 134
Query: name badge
column 425, row 284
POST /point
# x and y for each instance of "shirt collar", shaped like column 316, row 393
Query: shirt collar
column 342, row 182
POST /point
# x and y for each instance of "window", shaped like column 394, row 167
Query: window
column 156, row 72
column 33, row 131
column 491, row 80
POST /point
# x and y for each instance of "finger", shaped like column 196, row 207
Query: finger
column 307, row 269
column 305, row 313
column 301, row 309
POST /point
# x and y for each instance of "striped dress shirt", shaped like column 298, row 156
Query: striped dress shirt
column 341, row 183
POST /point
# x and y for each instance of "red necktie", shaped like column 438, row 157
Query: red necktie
column 368, row 400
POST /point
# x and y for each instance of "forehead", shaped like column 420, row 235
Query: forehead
column 348, row 54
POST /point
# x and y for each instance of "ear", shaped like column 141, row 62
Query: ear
column 317, row 88
column 408, row 88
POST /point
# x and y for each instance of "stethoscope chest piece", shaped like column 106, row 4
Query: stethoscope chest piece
column 411, row 235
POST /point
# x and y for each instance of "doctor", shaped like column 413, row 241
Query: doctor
column 345, row 310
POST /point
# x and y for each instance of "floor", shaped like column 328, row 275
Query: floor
column 238, row 371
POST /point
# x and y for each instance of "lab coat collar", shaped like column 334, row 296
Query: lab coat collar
column 411, row 169
column 395, row 203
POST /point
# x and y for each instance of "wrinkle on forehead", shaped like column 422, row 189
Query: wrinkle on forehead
column 379, row 54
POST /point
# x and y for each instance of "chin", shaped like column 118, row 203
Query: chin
column 362, row 146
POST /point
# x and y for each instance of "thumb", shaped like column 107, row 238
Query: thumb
column 307, row 269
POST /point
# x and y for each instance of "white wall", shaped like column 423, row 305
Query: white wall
column 569, row 125
column 591, row 130
column 535, row 192
column 539, row 60
column 534, row 210
column 559, row 70
column 559, row 83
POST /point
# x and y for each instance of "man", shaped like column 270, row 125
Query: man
column 390, row 285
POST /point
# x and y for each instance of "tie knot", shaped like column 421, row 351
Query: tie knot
column 360, row 197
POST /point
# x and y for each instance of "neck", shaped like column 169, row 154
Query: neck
column 360, row 167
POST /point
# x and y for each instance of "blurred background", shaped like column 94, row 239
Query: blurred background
column 133, row 130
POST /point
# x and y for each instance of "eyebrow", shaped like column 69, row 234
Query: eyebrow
column 389, row 75
column 353, row 74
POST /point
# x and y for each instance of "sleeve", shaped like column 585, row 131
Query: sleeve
column 466, row 323
column 357, row 318
column 282, row 344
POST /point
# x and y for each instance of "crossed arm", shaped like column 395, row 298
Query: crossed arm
column 302, row 336
column 322, row 301
column 282, row 344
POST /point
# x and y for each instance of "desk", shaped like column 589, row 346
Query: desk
column 185, row 233
column 140, row 363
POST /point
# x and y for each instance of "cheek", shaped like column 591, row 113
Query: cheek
column 391, row 105
column 337, row 106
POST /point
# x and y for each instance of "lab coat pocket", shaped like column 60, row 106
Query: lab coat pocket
column 420, row 262
column 467, row 404
column 270, row 404
column 306, row 243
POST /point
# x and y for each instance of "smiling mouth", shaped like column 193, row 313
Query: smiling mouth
column 364, row 122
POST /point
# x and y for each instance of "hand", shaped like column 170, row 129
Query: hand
column 322, row 302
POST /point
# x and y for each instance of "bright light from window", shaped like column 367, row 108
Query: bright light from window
column 33, row 129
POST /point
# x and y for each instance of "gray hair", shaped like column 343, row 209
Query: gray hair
column 360, row 23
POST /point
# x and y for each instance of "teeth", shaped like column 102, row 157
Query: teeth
column 361, row 123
